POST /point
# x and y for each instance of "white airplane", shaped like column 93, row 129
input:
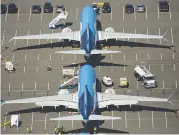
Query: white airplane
column 88, row 35
column 87, row 100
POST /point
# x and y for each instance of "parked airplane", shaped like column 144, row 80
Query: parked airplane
column 86, row 100
column 88, row 35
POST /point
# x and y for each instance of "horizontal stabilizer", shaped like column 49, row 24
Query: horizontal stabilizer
column 103, row 52
column 72, row 52
column 91, row 117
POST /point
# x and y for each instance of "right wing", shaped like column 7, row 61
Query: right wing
column 68, row 100
column 63, row 35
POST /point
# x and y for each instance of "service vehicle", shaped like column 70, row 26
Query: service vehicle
column 164, row 6
column 12, row 8
column 68, row 72
column 106, row 8
column 129, row 8
column 3, row 9
column 48, row 8
column 36, row 9
column 14, row 120
column 107, row 81
column 60, row 8
column 9, row 66
column 123, row 82
column 142, row 74
column 96, row 7
column 140, row 8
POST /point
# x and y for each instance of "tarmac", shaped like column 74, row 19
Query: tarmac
column 32, row 57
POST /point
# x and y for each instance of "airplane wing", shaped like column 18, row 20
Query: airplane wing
column 103, row 35
column 68, row 100
column 112, row 99
column 63, row 35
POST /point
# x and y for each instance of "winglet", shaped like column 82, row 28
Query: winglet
column 169, row 98
column 2, row 102
column 165, row 36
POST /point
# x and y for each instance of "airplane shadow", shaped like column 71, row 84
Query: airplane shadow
column 98, row 85
column 62, row 25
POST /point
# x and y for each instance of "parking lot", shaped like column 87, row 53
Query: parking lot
column 32, row 57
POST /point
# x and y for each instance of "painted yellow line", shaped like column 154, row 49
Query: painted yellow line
column 5, row 123
column 100, row 3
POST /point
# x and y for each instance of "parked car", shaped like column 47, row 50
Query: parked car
column 60, row 8
column 163, row 6
column 106, row 8
column 129, row 8
column 48, row 8
column 36, row 9
column 107, row 81
column 3, row 9
column 12, row 8
column 140, row 8
column 96, row 7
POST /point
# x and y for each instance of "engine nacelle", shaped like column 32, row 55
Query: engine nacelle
column 66, row 30
column 63, row 92
column 109, row 29
column 110, row 91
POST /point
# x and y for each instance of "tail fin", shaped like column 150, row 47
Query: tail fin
column 91, row 117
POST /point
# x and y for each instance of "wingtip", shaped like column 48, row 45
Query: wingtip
column 165, row 35
column 169, row 98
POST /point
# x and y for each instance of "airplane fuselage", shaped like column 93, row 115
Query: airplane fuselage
column 86, row 91
column 88, row 29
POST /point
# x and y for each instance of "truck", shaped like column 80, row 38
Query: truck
column 68, row 72
column 9, row 66
column 142, row 74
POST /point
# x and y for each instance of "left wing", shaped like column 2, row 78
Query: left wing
column 75, row 35
column 68, row 100
column 103, row 35
column 112, row 99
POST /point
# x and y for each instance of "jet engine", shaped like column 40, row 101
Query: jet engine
column 109, row 29
column 63, row 92
column 110, row 91
column 66, row 30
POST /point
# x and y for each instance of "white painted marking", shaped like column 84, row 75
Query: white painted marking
column 136, row 56
column 6, row 15
column 176, row 84
column 112, row 119
column 39, row 39
column 173, row 55
column 30, row 14
column 38, row 57
column 51, row 39
column 15, row 39
column 166, row 119
column 158, row 12
column 25, row 58
column 173, row 67
column 163, row 84
column 100, row 14
column 24, row 69
column 76, row 13
column 45, row 120
column 18, row 15
column 48, row 86
column 123, row 12
column 161, row 56
column 137, row 85
column 170, row 14
column 135, row 33
column 72, row 122
column 152, row 119
column 22, row 86
column 32, row 120
column 37, row 69
column 148, row 56
column 134, row 13
column 124, row 68
column 5, row 121
column 59, row 120
column 146, row 13
column 149, row 67
column 62, row 56
column 53, row 14
column 124, row 56
column 159, row 35
column 125, row 119
column 172, row 34
column 99, row 68
column 42, row 14
column 13, row 58
column 50, row 57
column 111, row 13
column 36, row 84
column 162, row 67
column 139, row 118
column 9, row 86
column 3, row 37
column 147, row 34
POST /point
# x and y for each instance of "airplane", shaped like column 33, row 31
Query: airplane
column 88, row 35
column 87, row 100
